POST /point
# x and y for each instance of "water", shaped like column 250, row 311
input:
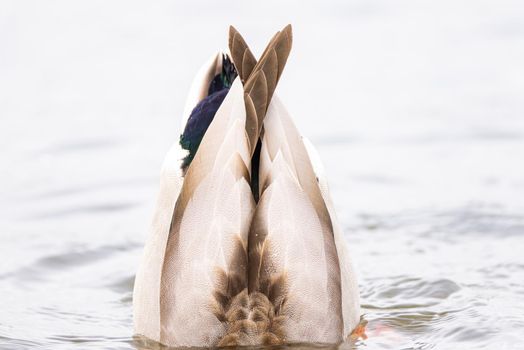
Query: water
column 416, row 109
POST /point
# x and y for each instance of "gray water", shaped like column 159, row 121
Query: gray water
column 416, row 108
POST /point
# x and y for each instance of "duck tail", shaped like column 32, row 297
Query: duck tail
column 242, row 57
column 259, row 78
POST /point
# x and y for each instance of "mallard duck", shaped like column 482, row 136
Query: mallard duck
column 245, row 247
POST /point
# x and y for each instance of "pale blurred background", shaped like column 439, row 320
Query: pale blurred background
column 416, row 107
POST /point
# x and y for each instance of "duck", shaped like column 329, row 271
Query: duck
column 245, row 246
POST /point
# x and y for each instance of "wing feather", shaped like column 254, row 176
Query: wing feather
column 146, row 307
column 349, row 285
column 287, row 242
column 212, row 213
column 289, row 185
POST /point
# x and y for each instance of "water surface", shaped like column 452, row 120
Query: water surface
column 416, row 109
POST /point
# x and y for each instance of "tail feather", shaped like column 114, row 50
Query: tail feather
column 293, row 225
column 259, row 78
column 241, row 54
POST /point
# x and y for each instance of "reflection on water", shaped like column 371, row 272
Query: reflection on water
column 422, row 138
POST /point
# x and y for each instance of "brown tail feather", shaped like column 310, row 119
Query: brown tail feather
column 263, row 80
column 241, row 54
column 260, row 78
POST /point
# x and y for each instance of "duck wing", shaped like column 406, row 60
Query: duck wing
column 212, row 212
column 146, row 301
column 293, row 240
column 348, row 282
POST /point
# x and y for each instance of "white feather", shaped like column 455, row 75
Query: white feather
column 219, row 210
column 292, row 161
column 146, row 293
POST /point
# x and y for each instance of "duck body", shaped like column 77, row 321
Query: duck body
column 226, row 266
